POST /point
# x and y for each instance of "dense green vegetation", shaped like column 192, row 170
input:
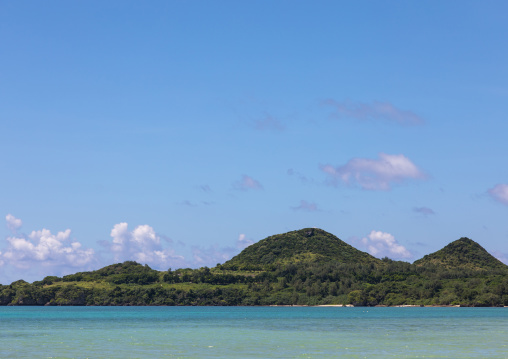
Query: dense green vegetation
column 310, row 245
column 462, row 253
column 306, row 267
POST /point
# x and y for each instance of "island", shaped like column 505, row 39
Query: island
column 304, row 267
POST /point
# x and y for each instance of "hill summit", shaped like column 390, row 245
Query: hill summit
column 306, row 245
column 462, row 253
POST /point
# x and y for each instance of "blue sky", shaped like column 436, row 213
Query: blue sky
column 176, row 133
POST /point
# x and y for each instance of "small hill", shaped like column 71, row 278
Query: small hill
column 462, row 253
column 306, row 245
column 126, row 272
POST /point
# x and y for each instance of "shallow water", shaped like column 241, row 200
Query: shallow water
column 252, row 332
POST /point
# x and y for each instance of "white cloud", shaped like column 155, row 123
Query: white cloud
column 42, row 253
column 382, row 244
column 13, row 223
column 46, row 249
column 499, row 193
column 306, row 206
column 142, row 245
column 375, row 111
column 247, row 183
column 376, row 174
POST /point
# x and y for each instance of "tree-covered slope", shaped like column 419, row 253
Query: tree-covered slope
column 462, row 253
column 126, row 272
column 308, row 245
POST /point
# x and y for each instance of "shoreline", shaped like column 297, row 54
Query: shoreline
column 377, row 306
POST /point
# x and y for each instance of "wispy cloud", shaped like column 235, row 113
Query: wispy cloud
column 211, row 256
column 503, row 257
column 187, row 203
column 382, row 244
column 304, row 179
column 214, row 254
column 269, row 123
column 378, row 174
column 374, row 111
column 205, row 188
column 424, row 211
column 243, row 242
column 499, row 193
column 306, row 206
column 247, row 183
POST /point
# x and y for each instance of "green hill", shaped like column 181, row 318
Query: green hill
column 462, row 253
column 126, row 272
column 308, row 245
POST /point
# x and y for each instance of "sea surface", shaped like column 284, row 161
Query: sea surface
column 252, row 332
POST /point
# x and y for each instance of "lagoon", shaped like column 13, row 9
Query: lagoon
column 252, row 332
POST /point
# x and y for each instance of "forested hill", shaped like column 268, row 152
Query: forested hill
column 462, row 253
column 308, row 245
column 304, row 267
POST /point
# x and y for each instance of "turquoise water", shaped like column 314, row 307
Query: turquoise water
column 252, row 332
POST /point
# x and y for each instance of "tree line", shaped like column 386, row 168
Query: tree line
column 360, row 284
